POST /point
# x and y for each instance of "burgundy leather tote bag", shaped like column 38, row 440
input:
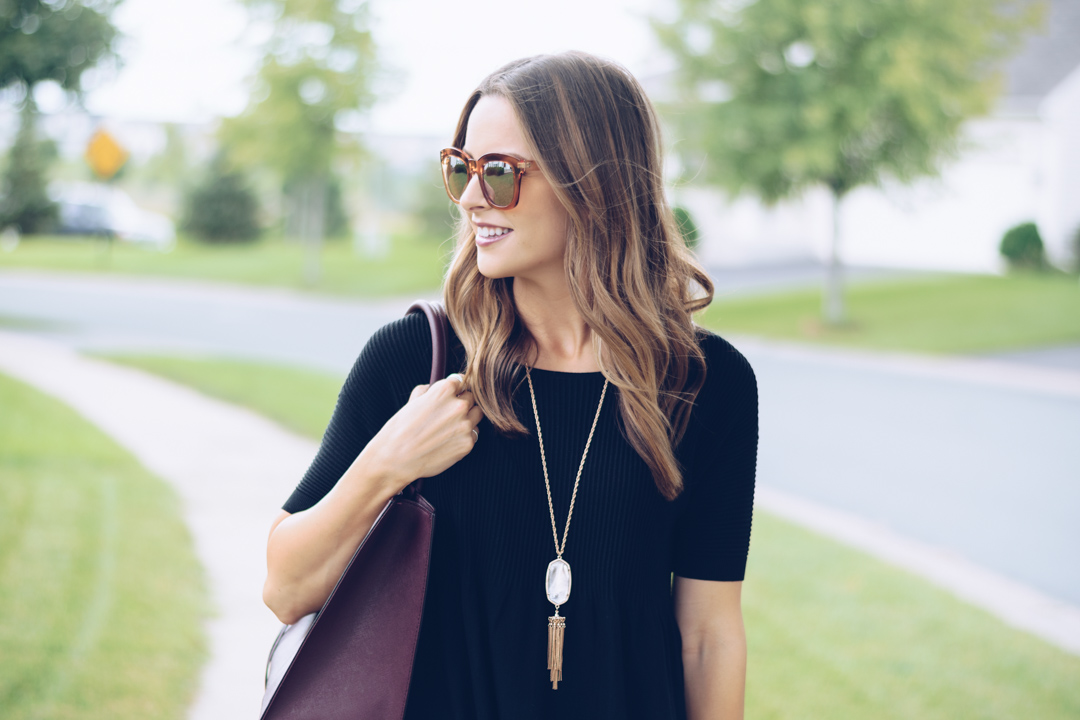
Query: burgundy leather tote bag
column 353, row 659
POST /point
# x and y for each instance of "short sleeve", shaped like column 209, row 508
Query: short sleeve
column 712, row 532
column 395, row 359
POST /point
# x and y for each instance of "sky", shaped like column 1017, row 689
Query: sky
column 190, row 60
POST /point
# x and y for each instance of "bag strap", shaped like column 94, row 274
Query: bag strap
column 436, row 315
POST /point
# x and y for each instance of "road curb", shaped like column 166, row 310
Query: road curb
column 973, row 371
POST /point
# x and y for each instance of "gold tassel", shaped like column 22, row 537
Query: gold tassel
column 556, row 629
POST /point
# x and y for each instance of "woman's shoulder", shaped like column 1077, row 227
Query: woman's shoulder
column 729, row 393
column 722, row 357
column 408, row 332
column 406, row 344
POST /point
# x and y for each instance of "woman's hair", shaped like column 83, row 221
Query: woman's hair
column 595, row 135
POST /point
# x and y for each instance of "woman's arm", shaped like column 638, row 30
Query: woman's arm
column 307, row 551
column 709, row 614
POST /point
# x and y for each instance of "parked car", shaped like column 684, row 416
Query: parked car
column 96, row 209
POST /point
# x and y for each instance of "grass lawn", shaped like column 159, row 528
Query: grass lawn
column 101, row 596
column 412, row 264
column 836, row 634
column 953, row 314
column 300, row 400
column 833, row 633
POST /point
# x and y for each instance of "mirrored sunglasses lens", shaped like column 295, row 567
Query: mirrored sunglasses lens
column 499, row 181
column 456, row 174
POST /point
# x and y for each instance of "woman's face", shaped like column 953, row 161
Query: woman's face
column 535, row 239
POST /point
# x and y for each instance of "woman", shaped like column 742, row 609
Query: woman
column 570, row 296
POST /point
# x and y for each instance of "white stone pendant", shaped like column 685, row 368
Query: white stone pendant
column 558, row 582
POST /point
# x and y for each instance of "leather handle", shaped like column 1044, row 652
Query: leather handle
column 436, row 315
column 437, row 320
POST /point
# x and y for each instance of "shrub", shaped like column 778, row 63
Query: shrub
column 687, row 226
column 1022, row 247
column 223, row 207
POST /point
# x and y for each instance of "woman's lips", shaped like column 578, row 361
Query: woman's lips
column 488, row 241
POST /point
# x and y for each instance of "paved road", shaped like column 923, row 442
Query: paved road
column 1066, row 357
column 983, row 464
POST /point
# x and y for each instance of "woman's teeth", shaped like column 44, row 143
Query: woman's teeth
column 490, row 232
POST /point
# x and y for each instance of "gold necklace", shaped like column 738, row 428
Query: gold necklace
column 558, row 578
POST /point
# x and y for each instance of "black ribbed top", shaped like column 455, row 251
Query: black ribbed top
column 482, row 653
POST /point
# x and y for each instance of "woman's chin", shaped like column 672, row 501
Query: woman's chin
column 492, row 271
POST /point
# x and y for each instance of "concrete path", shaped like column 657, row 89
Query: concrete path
column 232, row 470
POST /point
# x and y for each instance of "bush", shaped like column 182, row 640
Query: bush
column 687, row 226
column 223, row 207
column 1023, row 248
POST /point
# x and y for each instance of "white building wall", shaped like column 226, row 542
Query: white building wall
column 741, row 231
column 956, row 221
column 1059, row 213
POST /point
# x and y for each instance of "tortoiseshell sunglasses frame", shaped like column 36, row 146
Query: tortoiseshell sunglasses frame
column 473, row 168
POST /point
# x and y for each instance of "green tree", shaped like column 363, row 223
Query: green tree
column 776, row 96
column 42, row 40
column 222, row 208
column 315, row 74
column 25, row 204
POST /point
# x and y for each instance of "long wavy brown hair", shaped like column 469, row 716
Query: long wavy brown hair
column 632, row 278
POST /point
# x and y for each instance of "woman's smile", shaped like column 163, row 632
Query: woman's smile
column 487, row 234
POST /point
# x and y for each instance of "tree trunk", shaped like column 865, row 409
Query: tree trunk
column 832, row 305
column 312, row 210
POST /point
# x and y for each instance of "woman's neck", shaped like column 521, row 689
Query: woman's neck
column 565, row 342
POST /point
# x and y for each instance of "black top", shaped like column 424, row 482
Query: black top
column 482, row 652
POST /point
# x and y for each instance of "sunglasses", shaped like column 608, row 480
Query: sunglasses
column 500, row 176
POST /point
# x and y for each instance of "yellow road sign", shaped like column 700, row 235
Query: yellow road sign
column 105, row 155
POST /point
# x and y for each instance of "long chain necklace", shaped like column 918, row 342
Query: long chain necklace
column 557, row 580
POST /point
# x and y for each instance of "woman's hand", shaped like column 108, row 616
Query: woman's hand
column 430, row 433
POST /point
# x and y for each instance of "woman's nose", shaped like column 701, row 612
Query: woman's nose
column 473, row 197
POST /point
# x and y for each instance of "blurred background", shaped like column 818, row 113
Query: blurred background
column 230, row 196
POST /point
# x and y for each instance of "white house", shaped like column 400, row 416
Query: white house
column 1021, row 163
